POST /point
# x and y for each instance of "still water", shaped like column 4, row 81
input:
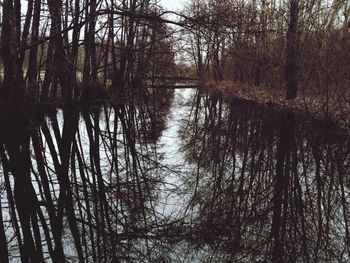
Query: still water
column 173, row 176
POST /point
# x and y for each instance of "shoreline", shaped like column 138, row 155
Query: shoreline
column 310, row 108
column 337, row 114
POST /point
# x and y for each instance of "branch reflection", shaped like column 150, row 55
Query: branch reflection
column 89, row 185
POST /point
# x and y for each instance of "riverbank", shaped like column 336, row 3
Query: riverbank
column 330, row 109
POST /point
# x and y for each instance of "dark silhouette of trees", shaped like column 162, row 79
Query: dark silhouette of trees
column 92, row 188
column 263, row 185
column 94, row 184
column 13, row 86
column 291, row 44
column 253, row 183
column 75, row 50
column 97, row 45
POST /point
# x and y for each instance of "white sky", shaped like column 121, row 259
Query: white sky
column 173, row 5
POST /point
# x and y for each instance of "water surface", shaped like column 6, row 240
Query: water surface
column 173, row 176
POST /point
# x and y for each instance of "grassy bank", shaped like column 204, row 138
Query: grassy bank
column 333, row 108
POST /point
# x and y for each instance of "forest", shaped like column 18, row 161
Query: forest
column 82, row 49
column 270, row 51
column 71, row 50
column 133, row 132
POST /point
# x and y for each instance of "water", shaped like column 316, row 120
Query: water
column 173, row 176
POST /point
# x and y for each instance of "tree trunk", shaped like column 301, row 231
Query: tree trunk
column 61, row 64
column 280, row 196
column 4, row 254
column 33, row 55
column 75, row 44
column 292, row 51
column 12, row 89
column 26, row 28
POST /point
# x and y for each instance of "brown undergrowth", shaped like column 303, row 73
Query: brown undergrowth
column 334, row 108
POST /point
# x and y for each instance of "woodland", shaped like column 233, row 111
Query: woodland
column 76, row 51
column 133, row 133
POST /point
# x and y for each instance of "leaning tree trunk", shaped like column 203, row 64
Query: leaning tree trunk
column 292, row 51
column 26, row 28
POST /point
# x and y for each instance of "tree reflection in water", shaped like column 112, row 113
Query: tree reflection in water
column 88, row 186
column 269, row 187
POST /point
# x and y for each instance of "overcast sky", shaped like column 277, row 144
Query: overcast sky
column 173, row 5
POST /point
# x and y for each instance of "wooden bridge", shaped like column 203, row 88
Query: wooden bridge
column 174, row 82
column 175, row 86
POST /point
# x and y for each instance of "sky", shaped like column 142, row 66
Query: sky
column 173, row 5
